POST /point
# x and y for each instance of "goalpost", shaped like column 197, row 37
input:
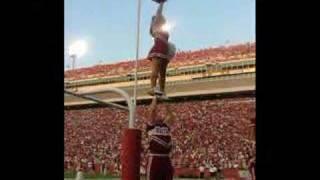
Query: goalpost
column 131, row 139
column 121, row 92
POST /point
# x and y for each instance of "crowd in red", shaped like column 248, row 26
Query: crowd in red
column 205, row 133
column 183, row 58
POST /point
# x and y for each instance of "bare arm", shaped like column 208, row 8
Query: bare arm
column 159, row 10
column 157, row 19
column 153, row 110
column 158, row 14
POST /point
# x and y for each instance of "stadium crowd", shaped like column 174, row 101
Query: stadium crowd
column 205, row 133
column 182, row 58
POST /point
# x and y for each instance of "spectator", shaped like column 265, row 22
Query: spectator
column 213, row 172
column 184, row 58
column 201, row 169
column 208, row 131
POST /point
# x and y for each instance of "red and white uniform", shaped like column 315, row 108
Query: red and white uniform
column 159, row 165
column 161, row 48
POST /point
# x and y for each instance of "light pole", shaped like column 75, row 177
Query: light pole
column 73, row 59
column 76, row 50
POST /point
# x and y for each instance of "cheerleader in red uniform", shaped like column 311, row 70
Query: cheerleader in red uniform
column 160, row 143
column 160, row 54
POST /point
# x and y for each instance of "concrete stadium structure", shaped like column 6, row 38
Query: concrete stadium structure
column 230, row 79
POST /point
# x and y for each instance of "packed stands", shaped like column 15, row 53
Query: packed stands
column 206, row 132
column 183, row 58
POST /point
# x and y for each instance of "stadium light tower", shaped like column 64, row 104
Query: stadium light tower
column 76, row 50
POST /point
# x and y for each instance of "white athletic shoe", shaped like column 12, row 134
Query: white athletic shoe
column 151, row 92
column 158, row 92
column 163, row 97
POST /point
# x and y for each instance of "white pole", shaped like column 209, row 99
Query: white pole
column 137, row 57
column 111, row 89
column 137, row 51
column 73, row 57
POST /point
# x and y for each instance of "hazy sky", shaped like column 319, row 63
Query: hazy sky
column 109, row 26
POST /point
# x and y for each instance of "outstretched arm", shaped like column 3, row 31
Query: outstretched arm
column 158, row 14
column 159, row 10
column 157, row 19
column 153, row 110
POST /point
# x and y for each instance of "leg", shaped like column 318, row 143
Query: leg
column 153, row 168
column 169, row 174
column 155, row 64
column 148, row 168
column 162, row 73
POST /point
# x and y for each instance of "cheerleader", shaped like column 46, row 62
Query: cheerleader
column 160, row 54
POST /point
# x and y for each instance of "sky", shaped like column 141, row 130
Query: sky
column 109, row 26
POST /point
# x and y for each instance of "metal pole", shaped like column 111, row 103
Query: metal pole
column 95, row 99
column 137, row 52
column 116, row 90
column 73, row 57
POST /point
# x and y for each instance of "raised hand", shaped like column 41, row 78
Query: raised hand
column 159, row 1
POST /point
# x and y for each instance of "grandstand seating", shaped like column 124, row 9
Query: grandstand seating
column 182, row 58
column 206, row 131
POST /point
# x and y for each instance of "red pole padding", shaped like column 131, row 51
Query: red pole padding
column 130, row 154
